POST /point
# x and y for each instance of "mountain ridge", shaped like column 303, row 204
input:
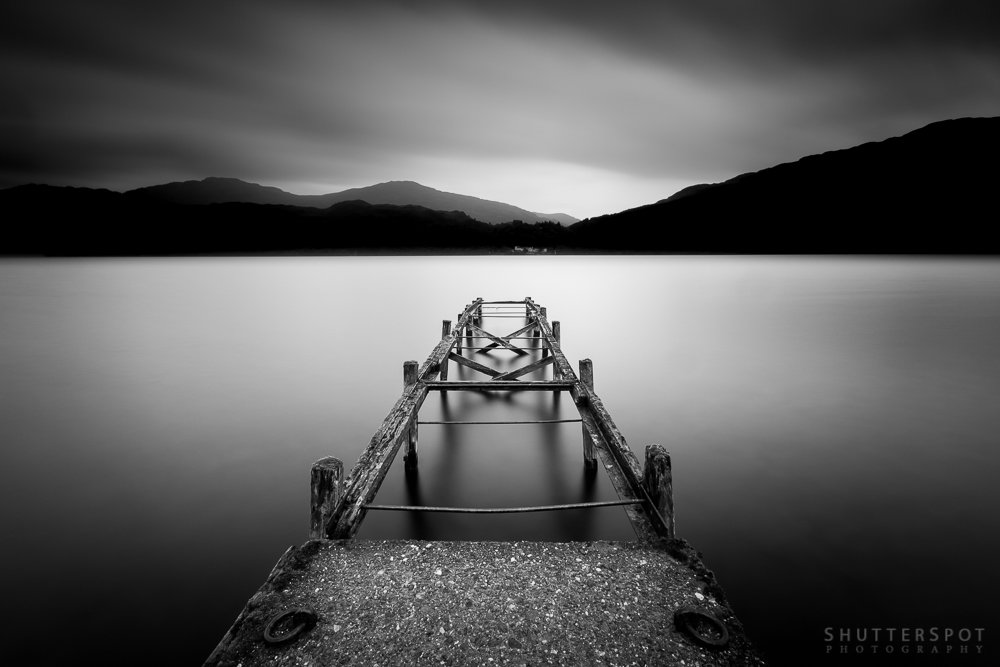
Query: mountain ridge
column 218, row 190
column 928, row 191
column 923, row 191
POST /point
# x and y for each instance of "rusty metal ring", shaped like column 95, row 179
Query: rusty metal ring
column 687, row 618
column 305, row 619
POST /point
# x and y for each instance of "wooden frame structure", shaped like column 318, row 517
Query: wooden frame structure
column 339, row 505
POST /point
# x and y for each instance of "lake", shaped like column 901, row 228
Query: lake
column 833, row 423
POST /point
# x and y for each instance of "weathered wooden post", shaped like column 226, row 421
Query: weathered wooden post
column 409, row 379
column 445, row 331
column 587, row 378
column 545, row 350
column 326, row 480
column 556, row 333
column 658, row 481
column 458, row 337
column 479, row 311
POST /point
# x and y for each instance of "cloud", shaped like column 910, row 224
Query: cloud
column 564, row 94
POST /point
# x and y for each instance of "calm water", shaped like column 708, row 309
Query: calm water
column 833, row 423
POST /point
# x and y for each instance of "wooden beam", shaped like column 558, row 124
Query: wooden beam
column 474, row 365
column 498, row 340
column 557, row 334
column 511, row 335
column 409, row 379
column 445, row 332
column 374, row 463
column 590, row 406
column 587, row 378
column 524, row 370
column 522, row 421
column 493, row 385
column 432, row 365
column 504, row 510
column 623, row 488
column 542, row 313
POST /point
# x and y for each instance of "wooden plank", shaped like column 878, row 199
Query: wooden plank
column 445, row 332
column 504, row 510
column 410, row 378
column 374, row 463
column 476, row 366
column 587, row 378
column 498, row 340
column 557, row 334
column 432, row 365
column 524, row 421
column 635, row 513
column 493, row 385
column 616, row 441
column 524, row 370
column 589, row 404
column 507, row 337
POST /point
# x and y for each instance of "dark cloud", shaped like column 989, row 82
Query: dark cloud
column 551, row 105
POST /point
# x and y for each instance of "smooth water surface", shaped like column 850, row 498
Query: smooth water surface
column 833, row 425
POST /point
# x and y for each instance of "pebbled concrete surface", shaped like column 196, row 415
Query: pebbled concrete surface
column 486, row 603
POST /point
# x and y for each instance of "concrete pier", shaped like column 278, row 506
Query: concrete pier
column 486, row 603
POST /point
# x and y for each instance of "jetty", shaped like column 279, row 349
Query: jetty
column 338, row 600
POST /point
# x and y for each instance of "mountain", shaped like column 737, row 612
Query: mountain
column 51, row 220
column 930, row 190
column 399, row 193
column 216, row 190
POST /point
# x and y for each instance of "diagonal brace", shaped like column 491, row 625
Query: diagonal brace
column 524, row 370
column 486, row 370
column 509, row 336
column 499, row 341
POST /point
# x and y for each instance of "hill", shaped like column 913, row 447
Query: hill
column 79, row 221
column 400, row 193
column 930, row 190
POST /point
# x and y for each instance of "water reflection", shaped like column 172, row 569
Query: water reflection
column 832, row 423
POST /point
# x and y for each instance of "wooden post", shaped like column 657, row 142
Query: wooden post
column 658, row 481
column 556, row 333
column 458, row 338
column 326, row 480
column 587, row 378
column 410, row 378
column 445, row 331
column 545, row 350
column 587, row 373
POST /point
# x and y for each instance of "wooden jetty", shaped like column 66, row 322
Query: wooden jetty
column 338, row 600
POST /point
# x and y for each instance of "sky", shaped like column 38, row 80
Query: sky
column 553, row 106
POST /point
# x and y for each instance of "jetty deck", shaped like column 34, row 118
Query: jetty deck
column 337, row 600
